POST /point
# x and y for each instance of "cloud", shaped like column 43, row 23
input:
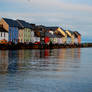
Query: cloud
column 52, row 12
column 52, row 5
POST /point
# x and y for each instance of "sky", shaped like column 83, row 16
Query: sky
column 75, row 15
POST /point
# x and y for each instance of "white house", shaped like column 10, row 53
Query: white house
column 32, row 36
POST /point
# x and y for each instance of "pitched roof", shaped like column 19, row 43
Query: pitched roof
column 76, row 33
column 51, row 28
column 71, row 32
column 24, row 24
column 11, row 22
column 59, row 35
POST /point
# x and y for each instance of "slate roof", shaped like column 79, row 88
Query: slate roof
column 70, row 32
column 12, row 23
column 51, row 28
column 76, row 33
column 24, row 24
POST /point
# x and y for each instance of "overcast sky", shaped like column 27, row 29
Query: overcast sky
column 69, row 14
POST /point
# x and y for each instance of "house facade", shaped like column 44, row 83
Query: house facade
column 24, row 32
column 59, row 35
column 77, row 37
column 12, row 28
column 70, row 37
column 3, row 35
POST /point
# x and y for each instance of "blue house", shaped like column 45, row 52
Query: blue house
column 12, row 27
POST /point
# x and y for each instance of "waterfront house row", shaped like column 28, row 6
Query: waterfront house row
column 20, row 31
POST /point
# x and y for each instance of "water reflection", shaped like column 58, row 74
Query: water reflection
column 57, row 70
column 57, row 60
column 3, row 61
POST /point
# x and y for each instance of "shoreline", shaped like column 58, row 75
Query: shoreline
column 45, row 46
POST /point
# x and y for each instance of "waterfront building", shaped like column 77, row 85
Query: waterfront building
column 59, row 38
column 12, row 27
column 59, row 35
column 70, row 37
column 24, row 32
column 77, row 37
column 40, row 33
column 49, row 37
column 32, row 32
column 3, row 35
column 36, row 36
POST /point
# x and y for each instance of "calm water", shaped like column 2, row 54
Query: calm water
column 58, row 70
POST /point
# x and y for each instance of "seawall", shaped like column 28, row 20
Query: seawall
column 40, row 46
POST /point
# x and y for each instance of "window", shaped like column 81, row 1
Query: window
column 1, row 34
column 4, row 34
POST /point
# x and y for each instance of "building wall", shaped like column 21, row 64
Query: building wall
column 59, row 40
column 4, row 36
column 20, row 36
column 27, row 35
column 13, row 34
column 32, row 36
column 64, row 39
column 55, row 40
column 68, row 40
column 5, row 25
column 72, row 39
column 52, row 40
column 36, row 39
column 79, row 39
column 71, row 36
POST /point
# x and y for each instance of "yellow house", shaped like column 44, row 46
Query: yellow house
column 64, row 36
column 58, row 30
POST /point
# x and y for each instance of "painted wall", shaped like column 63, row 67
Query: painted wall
column 64, row 39
column 36, row 39
column 32, row 36
column 79, row 39
column 27, row 35
column 20, row 36
column 59, row 40
column 54, row 40
column 71, row 37
column 13, row 34
column 4, row 36
column 68, row 40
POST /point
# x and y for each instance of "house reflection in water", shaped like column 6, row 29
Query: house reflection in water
column 12, row 60
column 68, row 58
column 3, row 61
column 56, row 60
